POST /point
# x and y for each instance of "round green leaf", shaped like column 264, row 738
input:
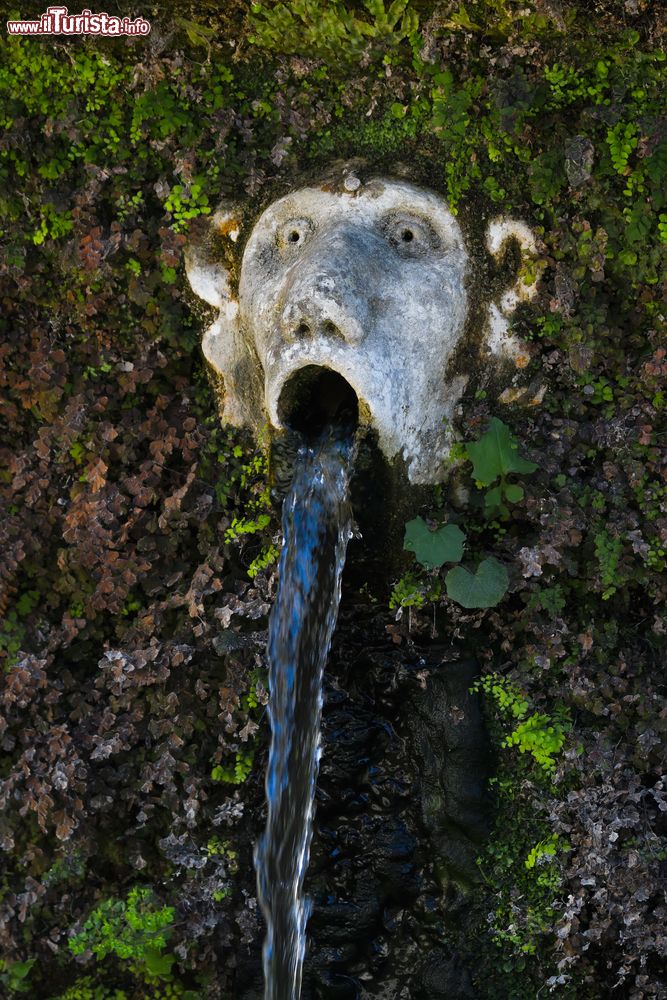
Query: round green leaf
column 513, row 493
column 433, row 548
column 482, row 589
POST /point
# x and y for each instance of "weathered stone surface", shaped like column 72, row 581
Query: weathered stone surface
column 579, row 157
column 368, row 281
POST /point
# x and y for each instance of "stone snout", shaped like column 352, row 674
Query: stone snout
column 348, row 298
column 326, row 297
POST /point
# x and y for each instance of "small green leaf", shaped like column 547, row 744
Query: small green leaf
column 461, row 19
column 513, row 493
column 16, row 974
column 493, row 497
column 197, row 33
column 496, row 454
column 433, row 548
column 19, row 970
column 483, row 589
column 157, row 964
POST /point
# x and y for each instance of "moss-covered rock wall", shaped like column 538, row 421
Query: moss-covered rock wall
column 139, row 538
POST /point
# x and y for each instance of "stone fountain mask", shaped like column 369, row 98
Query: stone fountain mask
column 368, row 282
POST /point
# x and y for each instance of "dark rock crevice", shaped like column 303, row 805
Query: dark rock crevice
column 402, row 810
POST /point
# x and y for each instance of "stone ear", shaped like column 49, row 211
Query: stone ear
column 209, row 279
column 524, row 288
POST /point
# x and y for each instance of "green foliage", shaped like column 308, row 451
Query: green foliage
column 245, row 482
column 246, row 526
column 223, row 849
column 541, row 737
column 523, row 861
column 135, row 928
column 409, row 592
column 329, row 30
column 622, row 141
column 566, row 85
column 198, row 33
column 157, row 964
column 247, row 475
column 85, row 988
column 453, row 123
column 27, row 602
column 608, row 550
column 186, row 203
column 381, row 136
column 433, row 548
column 14, row 975
column 482, row 589
column 526, row 879
column 94, row 372
column 12, row 634
column 495, row 456
column 237, row 773
column 66, row 870
column 267, row 557
column 258, row 681
column 544, row 852
column 52, row 225
column 537, row 734
column 507, row 696
column 662, row 227
column 549, row 599
column 157, row 987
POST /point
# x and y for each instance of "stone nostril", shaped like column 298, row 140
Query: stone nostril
column 329, row 328
column 302, row 330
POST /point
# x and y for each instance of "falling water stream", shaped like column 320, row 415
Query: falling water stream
column 316, row 529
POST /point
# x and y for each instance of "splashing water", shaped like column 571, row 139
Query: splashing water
column 316, row 529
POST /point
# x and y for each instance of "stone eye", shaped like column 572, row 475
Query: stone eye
column 293, row 233
column 409, row 235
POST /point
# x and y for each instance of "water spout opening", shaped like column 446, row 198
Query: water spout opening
column 314, row 398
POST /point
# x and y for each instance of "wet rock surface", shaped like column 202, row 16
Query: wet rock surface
column 401, row 811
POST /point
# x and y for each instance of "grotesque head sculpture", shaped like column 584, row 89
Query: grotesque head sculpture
column 359, row 291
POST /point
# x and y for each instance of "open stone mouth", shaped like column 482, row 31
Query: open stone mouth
column 314, row 398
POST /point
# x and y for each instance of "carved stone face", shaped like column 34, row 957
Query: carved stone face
column 368, row 283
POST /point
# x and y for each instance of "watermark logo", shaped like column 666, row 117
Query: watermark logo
column 58, row 21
